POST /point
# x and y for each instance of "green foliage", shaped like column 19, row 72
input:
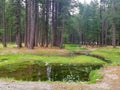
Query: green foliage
column 10, row 19
column 89, row 18
column 95, row 76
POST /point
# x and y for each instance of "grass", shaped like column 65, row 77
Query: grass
column 12, row 62
column 8, row 45
column 8, row 79
column 95, row 76
column 112, row 54
column 37, row 51
column 74, row 48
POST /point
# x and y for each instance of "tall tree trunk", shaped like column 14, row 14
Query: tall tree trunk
column 32, row 16
column 55, row 37
column 36, row 23
column 53, row 24
column 26, row 28
column 3, row 24
column 63, row 29
column 102, row 10
column 113, row 26
column 28, row 23
column 18, row 24
column 46, row 22
column 43, row 25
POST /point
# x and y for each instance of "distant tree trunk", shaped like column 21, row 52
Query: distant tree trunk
column 113, row 26
column 36, row 23
column 18, row 24
column 106, row 32
column 32, row 16
column 55, row 39
column 3, row 24
column 113, row 35
column 26, row 28
column 46, row 22
column 63, row 29
column 102, row 10
column 53, row 24
column 56, row 36
column 42, row 43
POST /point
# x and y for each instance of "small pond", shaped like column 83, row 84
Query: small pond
column 53, row 72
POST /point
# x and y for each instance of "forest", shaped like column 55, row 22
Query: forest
column 43, row 23
column 59, row 44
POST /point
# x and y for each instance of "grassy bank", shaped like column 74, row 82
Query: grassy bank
column 112, row 54
column 16, row 60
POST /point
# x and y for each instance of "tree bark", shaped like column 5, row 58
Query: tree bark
column 36, row 23
column 18, row 24
column 113, row 26
column 26, row 28
column 28, row 23
column 63, row 29
column 32, row 27
column 46, row 22
column 3, row 24
column 102, row 10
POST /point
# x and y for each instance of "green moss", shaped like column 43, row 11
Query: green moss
column 30, row 59
column 112, row 54
column 20, row 62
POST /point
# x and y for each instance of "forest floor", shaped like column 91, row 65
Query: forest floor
column 40, row 51
column 111, row 81
column 111, row 74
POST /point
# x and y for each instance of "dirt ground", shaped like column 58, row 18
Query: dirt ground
column 37, row 50
column 111, row 81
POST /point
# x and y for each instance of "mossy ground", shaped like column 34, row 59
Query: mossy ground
column 13, row 59
column 111, row 54
column 12, row 55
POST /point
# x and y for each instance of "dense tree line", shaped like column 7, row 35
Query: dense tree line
column 54, row 22
column 97, row 23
